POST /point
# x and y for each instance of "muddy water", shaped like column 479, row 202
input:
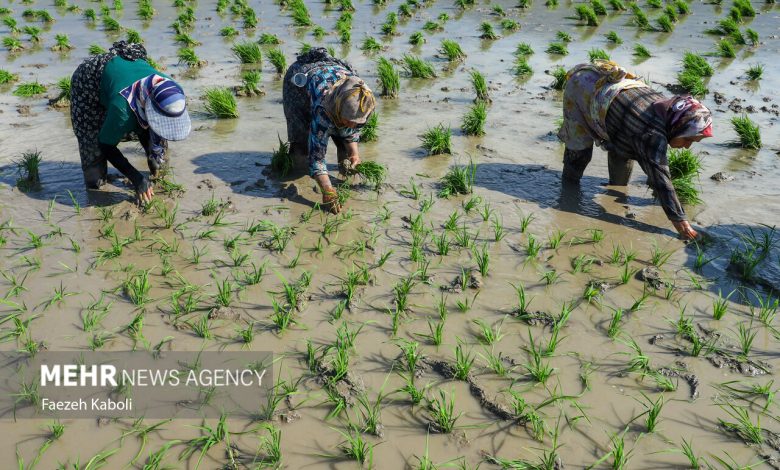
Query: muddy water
column 518, row 174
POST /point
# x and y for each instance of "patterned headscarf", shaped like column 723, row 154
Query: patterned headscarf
column 349, row 100
column 685, row 116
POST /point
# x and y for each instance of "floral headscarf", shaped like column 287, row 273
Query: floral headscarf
column 685, row 116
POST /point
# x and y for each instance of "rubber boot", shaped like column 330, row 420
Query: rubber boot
column 619, row 169
column 574, row 164
column 95, row 175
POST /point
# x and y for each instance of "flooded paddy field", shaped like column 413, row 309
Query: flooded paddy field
column 521, row 325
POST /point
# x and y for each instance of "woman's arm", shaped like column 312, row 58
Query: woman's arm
column 141, row 184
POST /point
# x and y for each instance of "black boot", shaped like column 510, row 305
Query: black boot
column 619, row 169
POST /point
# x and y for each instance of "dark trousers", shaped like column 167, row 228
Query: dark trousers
column 575, row 162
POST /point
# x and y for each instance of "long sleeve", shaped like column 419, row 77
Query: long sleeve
column 651, row 153
column 114, row 155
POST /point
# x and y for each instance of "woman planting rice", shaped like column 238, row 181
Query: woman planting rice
column 116, row 94
column 603, row 103
column 324, row 98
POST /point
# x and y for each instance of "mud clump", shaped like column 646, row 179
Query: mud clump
column 722, row 177
column 652, row 277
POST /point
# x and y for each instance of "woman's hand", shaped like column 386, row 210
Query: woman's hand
column 144, row 191
column 685, row 230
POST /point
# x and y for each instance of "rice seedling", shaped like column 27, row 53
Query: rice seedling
column 220, row 103
column 417, row 67
column 598, row 54
column 665, row 23
column 281, row 160
column 586, row 13
column 250, row 83
column 692, row 83
column 248, row 52
column 458, row 180
column 277, row 59
column 487, row 31
column 370, row 131
column 684, row 166
column 671, row 12
column 137, row 288
column 508, row 24
column 451, row 49
column 726, row 49
column 752, row 36
column 436, row 140
column 537, row 369
column 416, row 39
column 697, row 64
column 188, row 57
column 299, row 13
column 442, row 412
column 563, row 36
column 743, row 425
column 7, row 77
column 389, row 78
column 640, row 19
column 745, row 8
column 598, row 7
column 29, row 89
column 745, row 339
column 133, row 37
column 228, row 32
column 613, row 37
column 557, row 48
column 371, row 45
column 27, row 166
column 110, row 24
column 641, row 51
column 754, row 72
column 748, row 132
column 474, row 120
column 374, row 173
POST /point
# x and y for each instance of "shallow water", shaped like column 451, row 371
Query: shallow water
column 518, row 173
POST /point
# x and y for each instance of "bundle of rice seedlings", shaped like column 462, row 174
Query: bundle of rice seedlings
column 726, row 26
column 752, row 36
column 29, row 89
column 551, row 3
column 641, row 51
column 597, row 54
column 508, row 24
column 671, row 12
column 640, row 18
column 697, row 64
column 499, row 10
column 682, row 6
column 220, row 103
column 563, row 36
column 452, row 50
column 12, row 24
column 370, row 131
column 248, row 52
column 95, row 49
column 389, row 78
column 480, row 86
column 436, row 140
column 62, row 43
column 474, row 119
column 277, row 59
column 7, row 77
column 614, row 38
column 145, row 10
column 318, row 32
column 598, row 7
column 748, row 132
column 268, row 39
column 281, row 160
column 390, row 25
column 299, row 13
column 684, row 168
column 417, row 67
column 228, row 32
column 521, row 67
column 372, row 172
column 586, row 13
column 416, row 38
column 692, row 83
column 754, row 72
column 523, row 49
column 617, row 5
column 404, row 10
column 458, row 180
column 726, row 49
column 745, row 8
column 371, row 45
column 558, row 48
column 559, row 78
column 665, row 23
column 250, row 83
column 63, row 99
column 27, row 166
column 34, row 32
column 433, row 26
column 90, row 15
column 134, row 37
column 654, row 3
column 12, row 44
column 487, row 31
column 737, row 38
column 188, row 57
column 110, row 24
column 250, row 18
